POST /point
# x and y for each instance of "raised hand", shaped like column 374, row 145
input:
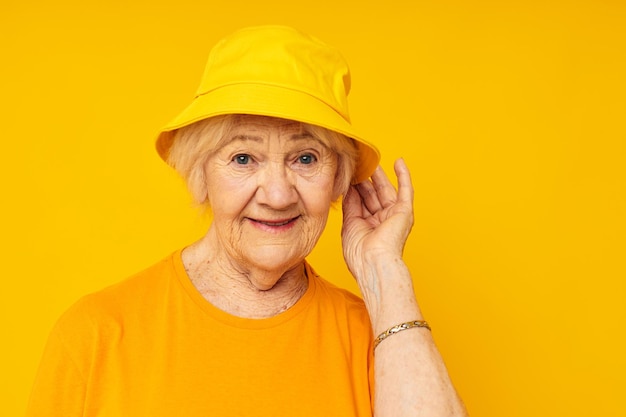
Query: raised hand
column 377, row 219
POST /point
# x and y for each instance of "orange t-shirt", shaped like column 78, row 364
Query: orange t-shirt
column 153, row 346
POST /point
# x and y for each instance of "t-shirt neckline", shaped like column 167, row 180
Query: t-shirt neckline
column 241, row 322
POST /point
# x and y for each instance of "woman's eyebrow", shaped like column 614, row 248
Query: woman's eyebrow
column 244, row 138
column 295, row 137
column 307, row 136
column 302, row 135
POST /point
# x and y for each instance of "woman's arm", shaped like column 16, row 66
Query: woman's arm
column 411, row 378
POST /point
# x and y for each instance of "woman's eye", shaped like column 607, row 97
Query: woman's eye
column 306, row 159
column 242, row 159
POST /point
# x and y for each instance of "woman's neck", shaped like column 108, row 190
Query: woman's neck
column 230, row 287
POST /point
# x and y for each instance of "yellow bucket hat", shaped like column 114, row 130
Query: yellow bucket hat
column 280, row 72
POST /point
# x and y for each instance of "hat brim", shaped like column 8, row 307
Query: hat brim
column 274, row 101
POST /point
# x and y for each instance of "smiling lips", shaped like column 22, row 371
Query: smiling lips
column 277, row 223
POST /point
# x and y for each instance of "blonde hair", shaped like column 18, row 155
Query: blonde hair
column 194, row 144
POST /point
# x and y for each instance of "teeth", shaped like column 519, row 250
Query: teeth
column 275, row 224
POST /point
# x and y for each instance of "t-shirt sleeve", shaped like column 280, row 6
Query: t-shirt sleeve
column 59, row 388
column 370, row 371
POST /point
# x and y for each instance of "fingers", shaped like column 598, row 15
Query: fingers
column 369, row 196
column 352, row 205
column 405, row 185
column 386, row 191
column 377, row 193
column 380, row 193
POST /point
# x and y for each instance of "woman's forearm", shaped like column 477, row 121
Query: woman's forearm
column 411, row 378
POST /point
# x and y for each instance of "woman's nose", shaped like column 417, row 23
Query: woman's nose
column 276, row 187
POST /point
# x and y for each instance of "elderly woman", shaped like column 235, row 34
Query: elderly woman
column 238, row 323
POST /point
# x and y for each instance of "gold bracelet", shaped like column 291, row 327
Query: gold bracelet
column 398, row 328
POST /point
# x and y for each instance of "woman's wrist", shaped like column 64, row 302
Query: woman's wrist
column 387, row 289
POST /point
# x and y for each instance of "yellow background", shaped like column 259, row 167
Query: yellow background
column 509, row 113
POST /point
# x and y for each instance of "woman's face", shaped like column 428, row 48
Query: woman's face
column 270, row 188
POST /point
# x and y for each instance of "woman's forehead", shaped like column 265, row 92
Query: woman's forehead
column 259, row 128
column 254, row 122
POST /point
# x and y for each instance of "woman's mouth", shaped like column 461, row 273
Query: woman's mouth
column 280, row 224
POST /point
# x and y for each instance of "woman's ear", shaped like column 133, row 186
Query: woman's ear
column 196, row 183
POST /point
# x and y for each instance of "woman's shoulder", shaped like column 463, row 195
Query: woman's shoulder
column 128, row 297
column 344, row 310
column 337, row 295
